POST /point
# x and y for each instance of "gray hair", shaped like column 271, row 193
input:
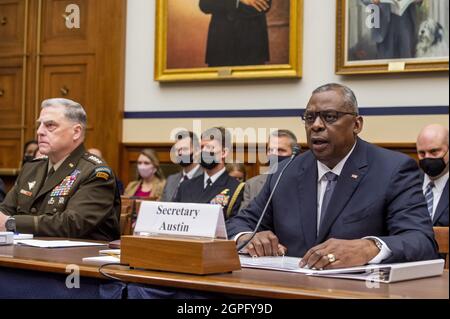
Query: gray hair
column 286, row 133
column 73, row 111
column 350, row 100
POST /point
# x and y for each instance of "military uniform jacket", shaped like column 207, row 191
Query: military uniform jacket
column 226, row 191
column 79, row 200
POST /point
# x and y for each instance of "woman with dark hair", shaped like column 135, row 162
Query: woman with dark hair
column 29, row 151
column 151, row 181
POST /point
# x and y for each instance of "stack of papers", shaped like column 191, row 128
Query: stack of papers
column 107, row 256
column 376, row 273
column 55, row 243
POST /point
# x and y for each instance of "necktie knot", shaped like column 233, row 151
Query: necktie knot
column 208, row 182
column 431, row 185
column 331, row 177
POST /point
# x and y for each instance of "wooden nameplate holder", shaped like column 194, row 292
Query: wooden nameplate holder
column 180, row 254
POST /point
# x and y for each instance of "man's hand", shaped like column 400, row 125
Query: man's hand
column 348, row 253
column 264, row 243
column 260, row 5
column 3, row 219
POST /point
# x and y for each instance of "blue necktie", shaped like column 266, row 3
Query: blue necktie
column 332, row 180
column 429, row 197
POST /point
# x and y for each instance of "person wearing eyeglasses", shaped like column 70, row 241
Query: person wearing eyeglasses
column 343, row 203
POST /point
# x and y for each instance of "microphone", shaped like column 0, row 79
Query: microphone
column 295, row 152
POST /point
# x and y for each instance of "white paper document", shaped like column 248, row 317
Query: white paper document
column 378, row 273
column 55, row 243
column 398, row 7
column 101, row 260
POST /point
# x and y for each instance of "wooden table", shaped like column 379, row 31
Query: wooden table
column 246, row 282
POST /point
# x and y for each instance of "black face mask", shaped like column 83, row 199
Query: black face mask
column 185, row 160
column 208, row 160
column 276, row 159
column 27, row 158
column 433, row 166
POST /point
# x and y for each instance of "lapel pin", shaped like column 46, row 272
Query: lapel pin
column 354, row 176
column 31, row 185
column 71, row 165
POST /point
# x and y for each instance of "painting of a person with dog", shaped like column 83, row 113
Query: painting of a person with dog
column 383, row 31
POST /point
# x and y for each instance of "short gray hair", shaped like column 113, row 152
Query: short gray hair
column 350, row 100
column 73, row 111
column 286, row 133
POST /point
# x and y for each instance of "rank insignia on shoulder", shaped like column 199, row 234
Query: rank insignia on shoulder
column 103, row 172
column 94, row 159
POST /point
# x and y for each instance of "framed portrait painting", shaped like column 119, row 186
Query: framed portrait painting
column 228, row 39
column 392, row 36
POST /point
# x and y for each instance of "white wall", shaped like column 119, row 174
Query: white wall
column 142, row 93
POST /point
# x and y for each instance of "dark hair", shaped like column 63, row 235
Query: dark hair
column 28, row 144
column 350, row 100
column 188, row 134
column 219, row 134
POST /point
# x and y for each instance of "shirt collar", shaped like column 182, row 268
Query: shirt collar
column 56, row 165
column 192, row 172
column 322, row 169
column 439, row 183
column 215, row 177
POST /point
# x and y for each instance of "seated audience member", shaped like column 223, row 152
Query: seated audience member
column 279, row 148
column 2, row 190
column 186, row 153
column 98, row 153
column 69, row 193
column 237, row 170
column 343, row 203
column 151, row 181
column 214, row 186
column 432, row 149
column 29, row 151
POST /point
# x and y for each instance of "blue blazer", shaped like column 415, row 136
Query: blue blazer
column 379, row 193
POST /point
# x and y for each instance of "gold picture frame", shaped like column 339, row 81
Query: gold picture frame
column 291, row 58
column 355, row 47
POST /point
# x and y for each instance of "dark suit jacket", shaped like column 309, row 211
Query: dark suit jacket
column 192, row 191
column 237, row 35
column 2, row 190
column 172, row 184
column 440, row 217
column 379, row 193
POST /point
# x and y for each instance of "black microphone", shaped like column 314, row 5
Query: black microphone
column 295, row 152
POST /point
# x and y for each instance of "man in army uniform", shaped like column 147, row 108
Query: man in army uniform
column 69, row 193
column 214, row 186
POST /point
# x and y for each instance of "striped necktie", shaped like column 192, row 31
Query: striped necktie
column 429, row 197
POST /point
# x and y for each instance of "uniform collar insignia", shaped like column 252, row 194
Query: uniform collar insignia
column 31, row 185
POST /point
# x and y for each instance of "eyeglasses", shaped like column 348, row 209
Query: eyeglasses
column 328, row 117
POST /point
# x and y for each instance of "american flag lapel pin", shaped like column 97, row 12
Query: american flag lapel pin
column 354, row 176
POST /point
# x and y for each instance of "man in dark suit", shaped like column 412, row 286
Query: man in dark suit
column 396, row 36
column 186, row 153
column 343, row 203
column 214, row 186
column 432, row 149
column 237, row 32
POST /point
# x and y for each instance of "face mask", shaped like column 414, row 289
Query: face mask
column 208, row 160
column 433, row 166
column 27, row 158
column 146, row 171
column 185, row 160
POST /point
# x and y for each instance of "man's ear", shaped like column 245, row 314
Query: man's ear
column 77, row 131
column 359, row 123
column 225, row 152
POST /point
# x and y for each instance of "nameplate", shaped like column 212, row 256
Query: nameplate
column 396, row 66
column 181, row 219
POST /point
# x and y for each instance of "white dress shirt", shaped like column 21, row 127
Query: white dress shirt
column 322, row 181
column 189, row 175
column 213, row 178
column 438, row 189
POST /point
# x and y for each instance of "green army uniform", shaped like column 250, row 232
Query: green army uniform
column 79, row 200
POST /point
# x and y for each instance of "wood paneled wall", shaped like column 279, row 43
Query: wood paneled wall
column 41, row 57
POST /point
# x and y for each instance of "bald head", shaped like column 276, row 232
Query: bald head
column 432, row 141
